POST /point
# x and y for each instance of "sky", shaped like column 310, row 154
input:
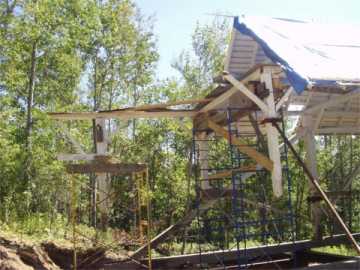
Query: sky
column 175, row 20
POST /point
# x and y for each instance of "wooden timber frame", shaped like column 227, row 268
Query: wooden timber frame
column 207, row 115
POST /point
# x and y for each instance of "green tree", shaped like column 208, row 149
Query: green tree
column 206, row 60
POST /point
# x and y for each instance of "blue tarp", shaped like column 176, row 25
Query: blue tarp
column 316, row 53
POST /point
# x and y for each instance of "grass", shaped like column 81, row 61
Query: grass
column 337, row 250
column 36, row 229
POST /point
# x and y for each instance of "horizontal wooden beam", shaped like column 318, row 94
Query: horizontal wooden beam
column 249, row 151
column 219, row 100
column 327, row 113
column 338, row 130
column 123, row 114
column 104, row 167
column 73, row 157
column 212, row 257
column 228, row 173
column 172, row 103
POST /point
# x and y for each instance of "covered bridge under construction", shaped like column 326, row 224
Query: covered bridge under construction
column 275, row 70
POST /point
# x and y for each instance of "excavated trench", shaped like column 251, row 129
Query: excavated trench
column 48, row 256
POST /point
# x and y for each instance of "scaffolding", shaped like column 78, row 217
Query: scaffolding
column 141, row 213
column 245, row 213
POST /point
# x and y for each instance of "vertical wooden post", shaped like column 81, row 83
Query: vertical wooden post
column 101, row 178
column 311, row 163
column 272, row 137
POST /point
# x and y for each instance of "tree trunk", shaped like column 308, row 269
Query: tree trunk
column 29, row 118
column 30, row 97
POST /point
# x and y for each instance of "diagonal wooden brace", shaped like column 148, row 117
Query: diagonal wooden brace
column 251, row 152
column 323, row 195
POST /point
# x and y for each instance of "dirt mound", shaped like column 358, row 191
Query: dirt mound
column 92, row 258
column 50, row 256
column 14, row 255
column 9, row 260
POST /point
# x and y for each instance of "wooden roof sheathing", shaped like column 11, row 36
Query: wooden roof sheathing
column 244, row 54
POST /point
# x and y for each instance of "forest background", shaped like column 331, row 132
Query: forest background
column 81, row 55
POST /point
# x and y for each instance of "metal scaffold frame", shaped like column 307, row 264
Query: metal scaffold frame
column 232, row 222
column 142, row 218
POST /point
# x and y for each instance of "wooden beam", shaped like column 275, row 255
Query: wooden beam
column 171, row 103
column 228, row 173
column 86, row 157
column 104, row 167
column 318, row 119
column 284, row 98
column 220, row 99
column 252, row 75
column 251, row 152
column 123, row 114
column 339, row 130
column 243, row 89
column 273, row 137
column 346, row 107
column 327, row 113
column 212, row 257
column 311, row 163
column 259, row 135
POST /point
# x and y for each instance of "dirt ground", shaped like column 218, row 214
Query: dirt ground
column 50, row 256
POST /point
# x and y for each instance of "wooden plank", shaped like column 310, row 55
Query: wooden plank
column 318, row 119
column 259, row 135
column 251, row 152
column 212, row 257
column 220, row 99
column 273, row 137
column 122, row 114
column 230, row 49
column 284, row 98
column 172, row 103
column 328, row 113
column 339, row 130
column 228, row 173
column 86, row 157
column 103, row 167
